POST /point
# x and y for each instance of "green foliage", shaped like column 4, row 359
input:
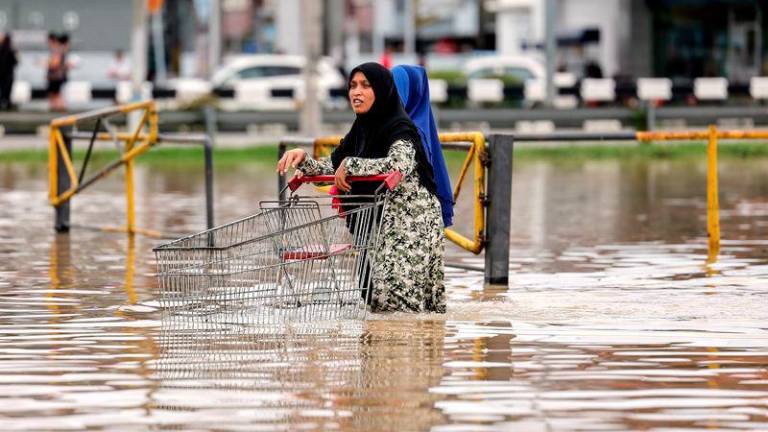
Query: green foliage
column 455, row 77
column 452, row 77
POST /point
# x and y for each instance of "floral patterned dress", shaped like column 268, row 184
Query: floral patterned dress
column 408, row 264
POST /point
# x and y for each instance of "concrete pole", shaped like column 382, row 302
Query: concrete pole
column 311, row 16
column 214, row 58
column 214, row 37
column 288, row 26
column 138, row 56
column 550, row 44
column 498, row 211
column 139, row 47
column 409, row 28
column 158, row 42
column 335, row 17
column 378, row 32
column 758, row 53
column 352, row 41
column 61, row 214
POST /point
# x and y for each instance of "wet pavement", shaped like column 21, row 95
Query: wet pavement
column 613, row 320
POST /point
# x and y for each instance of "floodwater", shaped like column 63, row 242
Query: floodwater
column 613, row 319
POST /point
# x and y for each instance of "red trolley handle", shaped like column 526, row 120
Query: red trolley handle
column 391, row 180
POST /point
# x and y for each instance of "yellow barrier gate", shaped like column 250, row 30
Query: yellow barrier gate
column 64, row 183
column 712, row 134
column 60, row 153
column 476, row 157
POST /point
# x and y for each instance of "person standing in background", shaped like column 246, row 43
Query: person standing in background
column 55, row 73
column 120, row 69
column 59, row 65
column 8, row 62
column 69, row 60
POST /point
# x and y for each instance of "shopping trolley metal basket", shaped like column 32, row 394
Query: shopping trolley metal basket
column 302, row 258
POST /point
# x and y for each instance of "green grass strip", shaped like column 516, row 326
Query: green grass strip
column 158, row 156
column 267, row 154
column 658, row 150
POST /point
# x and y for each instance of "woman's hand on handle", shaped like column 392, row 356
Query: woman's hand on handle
column 291, row 159
column 340, row 178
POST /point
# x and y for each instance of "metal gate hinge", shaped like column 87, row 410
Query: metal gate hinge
column 485, row 158
column 484, row 200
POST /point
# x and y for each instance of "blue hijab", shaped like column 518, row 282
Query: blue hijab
column 413, row 87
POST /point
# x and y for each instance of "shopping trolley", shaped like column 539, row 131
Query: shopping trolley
column 305, row 258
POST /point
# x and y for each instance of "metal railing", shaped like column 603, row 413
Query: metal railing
column 490, row 180
column 712, row 135
column 492, row 159
column 64, row 182
column 473, row 142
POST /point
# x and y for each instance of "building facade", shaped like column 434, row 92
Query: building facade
column 626, row 38
column 641, row 38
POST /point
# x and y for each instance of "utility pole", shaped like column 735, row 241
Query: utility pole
column 311, row 16
column 550, row 43
column 138, row 47
column 335, row 18
column 158, row 42
column 409, row 27
column 138, row 56
column 481, row 15
column 214, row 37
column 378, row 32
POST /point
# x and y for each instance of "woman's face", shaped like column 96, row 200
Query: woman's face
column 361, row 94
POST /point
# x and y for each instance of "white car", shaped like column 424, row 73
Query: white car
column 255, row 76
column 527, row 71
column 274, row 68
column 521, row 68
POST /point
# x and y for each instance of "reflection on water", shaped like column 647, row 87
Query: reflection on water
column 355, row 376
column 614, row 319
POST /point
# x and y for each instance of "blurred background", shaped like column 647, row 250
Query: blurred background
column 619, row 56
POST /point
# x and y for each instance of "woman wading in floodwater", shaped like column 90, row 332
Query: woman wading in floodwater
column 408, row 274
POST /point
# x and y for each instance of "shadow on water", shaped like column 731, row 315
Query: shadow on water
column 402, row 374
column 615, row 319
column 349, row 375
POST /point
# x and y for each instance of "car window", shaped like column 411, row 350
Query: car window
column 483, row 73
column 520, row 73
column 281, row 71
column 252, row 72
column 509, row 72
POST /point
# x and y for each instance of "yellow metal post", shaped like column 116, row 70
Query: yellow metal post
column 713, row 216
column 152, row 122
column 130, row 209
column 324, row 145
column 476, row 152
column 52, row 162
column 129, row 194
column 63, row 153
